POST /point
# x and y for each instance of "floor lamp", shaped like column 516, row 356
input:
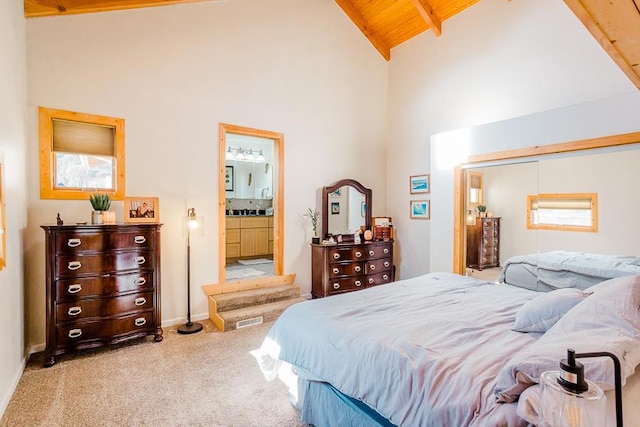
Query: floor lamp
column 192, row 224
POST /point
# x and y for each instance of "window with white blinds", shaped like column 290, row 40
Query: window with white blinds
column 80, row 153
column 572, row 212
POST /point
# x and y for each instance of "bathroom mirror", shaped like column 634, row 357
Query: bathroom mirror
column 346, row 206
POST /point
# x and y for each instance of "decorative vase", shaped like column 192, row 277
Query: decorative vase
column 108, row 217
column 315, row 240
column 96, row 217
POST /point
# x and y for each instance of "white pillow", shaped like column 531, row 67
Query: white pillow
column 542, row 312
column 608, row 320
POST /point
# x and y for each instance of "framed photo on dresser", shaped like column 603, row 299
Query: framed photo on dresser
column 141, row 209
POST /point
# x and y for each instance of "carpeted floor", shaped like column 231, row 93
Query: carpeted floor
column 204, row 379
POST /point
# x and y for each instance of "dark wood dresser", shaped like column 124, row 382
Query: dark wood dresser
column 348, row 267
column 483, row 243
column 103, row 285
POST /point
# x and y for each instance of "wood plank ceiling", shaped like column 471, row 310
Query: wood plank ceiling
column 615, row 24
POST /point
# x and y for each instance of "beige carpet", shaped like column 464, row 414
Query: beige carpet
column 205, row 379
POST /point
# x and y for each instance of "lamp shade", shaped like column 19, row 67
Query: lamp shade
column 567, row 399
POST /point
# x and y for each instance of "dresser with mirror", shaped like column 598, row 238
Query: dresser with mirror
column 346, row 265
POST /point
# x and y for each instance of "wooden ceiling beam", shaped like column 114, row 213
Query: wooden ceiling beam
column 40, row 8
column 598, row 27
column 357, row 18
column 429, row 15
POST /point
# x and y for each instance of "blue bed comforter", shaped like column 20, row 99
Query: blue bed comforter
column 563, row 269
column 424, row 351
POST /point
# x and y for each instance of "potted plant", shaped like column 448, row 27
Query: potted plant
column 313, row 216
column 482, row 209
column 100, row 202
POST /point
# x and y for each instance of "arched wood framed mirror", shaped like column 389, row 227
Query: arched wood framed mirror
column 538, row 153
column 346, row 206
column 271, row 192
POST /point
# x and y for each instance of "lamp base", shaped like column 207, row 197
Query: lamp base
column 190, row 328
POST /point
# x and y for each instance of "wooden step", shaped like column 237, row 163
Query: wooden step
column 253, row 297
column 256, row 314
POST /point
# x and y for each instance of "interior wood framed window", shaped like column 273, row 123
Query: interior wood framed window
column 569, row 212
column 80, row 154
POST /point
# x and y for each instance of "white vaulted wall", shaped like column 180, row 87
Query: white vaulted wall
column 496, row 61
column 13, row 147
column 173, row 73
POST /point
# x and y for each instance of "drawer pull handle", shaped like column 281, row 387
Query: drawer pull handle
column 386, row 263
column 386, row 250
column 336, row 286
column 74, row 265
column 372, row 267
column 140, row 321
column 75, row 288
column 140, row 281
column 140, row 301
column 358, row 283
column 75, row 333
column 336, row 271
column 74, row 311
column 139, row 260
column 371, row 281
column 358, row 254
column 139, row 239
column 336, row 256
column 358, row 269
column 372, row 253
column 72, row 243
column 385, row 277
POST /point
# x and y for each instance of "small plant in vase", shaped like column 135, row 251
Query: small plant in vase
column 482, row 210
column 313, row 216
column 100, row 202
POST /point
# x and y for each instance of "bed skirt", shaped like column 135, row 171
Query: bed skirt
column 324, row 406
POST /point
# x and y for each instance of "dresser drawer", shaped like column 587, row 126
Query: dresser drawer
column 86, row 264
column 346, row 254
column 378, row 251
column 81, row 241
column 378, row 265
column 347, row 269
column 346, row 284
column 379, row 279
column 85, row 332
column 104, row 307
column 489, row 241
column 86, row 287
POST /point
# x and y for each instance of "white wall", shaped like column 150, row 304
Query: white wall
column 495, row 61
column 13, row 146
column 173, row 73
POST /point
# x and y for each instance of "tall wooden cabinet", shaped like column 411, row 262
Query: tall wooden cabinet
column 102, row 285
column 483, row 243
column 350, row 267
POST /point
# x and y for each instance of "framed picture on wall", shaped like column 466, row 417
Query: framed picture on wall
column 141, row 209
column 420, row 209
column 335, row 208
column 419, row 184
column 228, row 178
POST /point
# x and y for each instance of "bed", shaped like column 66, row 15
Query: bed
column 563, row 269
column 439, row 349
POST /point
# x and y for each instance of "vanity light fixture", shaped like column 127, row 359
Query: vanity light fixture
column 244, row 155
